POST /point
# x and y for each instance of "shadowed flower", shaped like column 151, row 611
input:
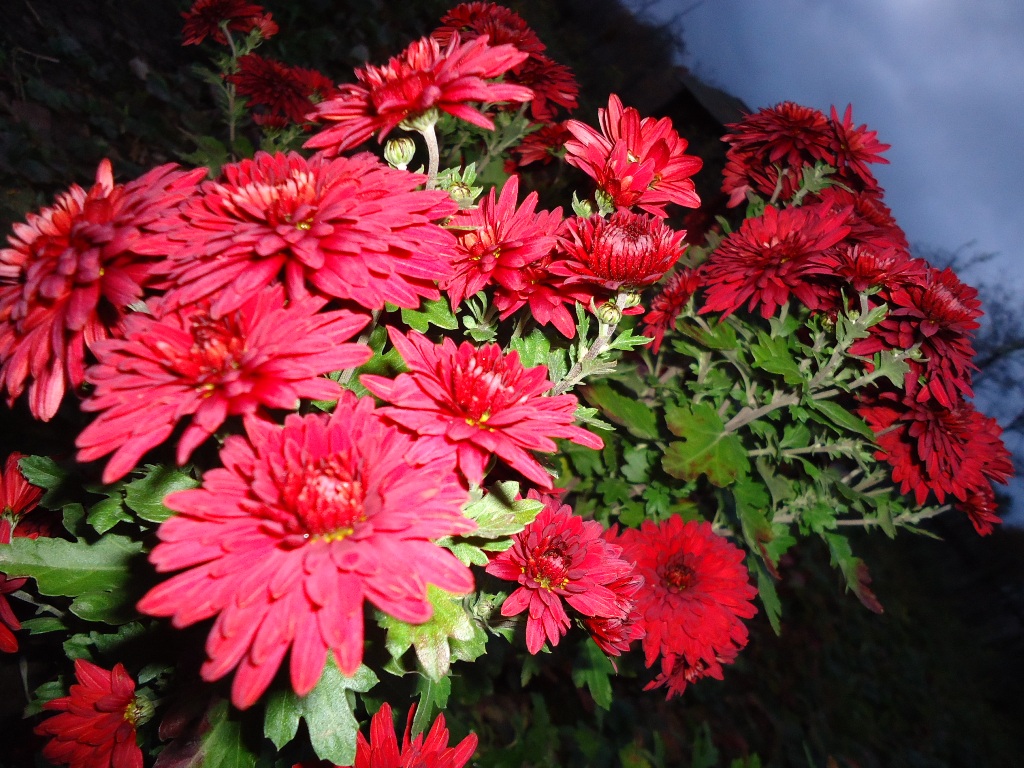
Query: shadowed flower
column 430, row 751
column 668, row 304
column 695, row 591
column 279, row 95
column 348, row 228
column 625, row 252
column 18, row 497
column 853, row 148
column 771, row 257
column 980, row 507
column 502, row 26
column 303, row 524
column 97, row 720
column 553, row 84
column 496, row 241
column 70, row 273
column 636, row 162
column 422, row 78
column 184, row 363
column 543, row 145
column 205, row 17
column 560, row 556
column 478, row 403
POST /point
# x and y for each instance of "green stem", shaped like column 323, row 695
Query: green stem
column 579, row 371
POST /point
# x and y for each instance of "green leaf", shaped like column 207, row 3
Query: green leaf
column 854, row 570
column 767, row 594
column 433, row 699
column 327, row 711
column 593, row 670
column 104, row 515
column 435, row 312
column 774, row 356
column 636, row 464
column 638, row 419
column 705, row 449
column 498, row 514
column 223, row 746
column 840, row 417
column 718, row 335
column 43, row 472
column 42, row 624
column 533, row 349
column 146, row 495
column 449, row 634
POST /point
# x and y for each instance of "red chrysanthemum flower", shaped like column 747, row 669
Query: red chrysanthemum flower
column 432, row 751
column 184, row 364
column 502, row 26
column 774, row 141
column 636, row 162
column 871, row 222
column 553, row 84
column 625, row 252
column 560, row 556
column 949, row 451
column 769, row 258
column 478, row 402
column 614, row 634
column 97, row 720
column 9, row 623
column 497, row 240
column 980, row 507
column 18, row 497
column 348, row 228
column 205, row 17
column 543, row 145
column 303, row 524
column 695, row 591
column 939, row 313
column 547, row 296
column 853, row 148
column 279, row 94
column 70, row 273
column 424, row 77
column 668, row 304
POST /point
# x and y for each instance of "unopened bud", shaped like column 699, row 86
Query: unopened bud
column 398, row 152
column 422, row 122
column 609, row 313
column 629, row 299
column 462, row 194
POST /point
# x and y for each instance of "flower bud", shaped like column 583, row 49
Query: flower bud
column 462, row 194
column 608, row 313
column 398, row 152
column 422, row 122
column 628, row 299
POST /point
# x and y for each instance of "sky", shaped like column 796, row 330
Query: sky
column 942, row 81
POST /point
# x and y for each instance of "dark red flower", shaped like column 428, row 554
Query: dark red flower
column 496, row 241
column 348, row 228
column 279, row 94
column 560, row 556
column 636, row 162
column 625, row 252
column 502, row 26
column 543, row 145
column 771, row 257
column 205, row 17
column 97, row 720
column 430, row 751
column 9, row 623
column 547, row 296
column 70, row 273
column 186, row 365
column 614, row 634
column 424, row 77
column 668, row 304
column 695, row 591
column 305, row 523
column 871, row 222
column 553, row 84
column 980, row 507
column 18, row 497
column 479, row 403
column 853, row 148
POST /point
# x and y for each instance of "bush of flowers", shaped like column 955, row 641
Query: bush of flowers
column 342, row 418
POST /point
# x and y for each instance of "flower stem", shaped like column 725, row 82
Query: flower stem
column 433, row 154
column 584, row 366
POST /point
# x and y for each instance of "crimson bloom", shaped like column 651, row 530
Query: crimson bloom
column 496, row 240
column 695, row 591
column 636, row 162
column 18, row 497
column 543, row 145
column 303, row 524
column 853, row 149
column 185, row 364
column 431, row 751
column 422, row 78
column 478, row 402
column 668, row 304
column 97, row 720
column 771, row 257
column 546, row 294
column 502, row 25
column 70, row 273
column 560, row 556
column 279, row 94
column 625, row 252
column 205, row 17
column 348, row 228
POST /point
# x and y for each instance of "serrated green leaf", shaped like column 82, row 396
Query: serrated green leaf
column 636, row 464
column 146, row 495
column 767, row 594
column 498, row 514
column 593, row 670
column 327, row 711
column 43, row 472
column 853, row 569
column 433, row 699
column 774, row 356
column 840, row 417
column 71, row 568
column 638, row 418
column 436, row 312
column 107, row 513
column 718, row 335
column 533, row 350
column 705, row 448
column 42, row 624
column 223, row 746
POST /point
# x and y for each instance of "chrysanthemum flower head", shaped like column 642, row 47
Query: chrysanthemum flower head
column 626, row 252
column 636, row 162
column 304, row 524
column 348, row 228
column 479, row 403
column 502, row 25
column 186, row 365
column 425, row 751
column 542, row 146
column 496, row 241
column 771, row 257
column 560, row 556
column 668, row 304
column 696, row 590
column 18, row 497
column 97, row 721
column 549, row 298
column 205, row 17
column 277, row 94
column 71, row 271
column 422, row 78
column 853, row 149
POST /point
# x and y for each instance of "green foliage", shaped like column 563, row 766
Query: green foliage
column 706, row 449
